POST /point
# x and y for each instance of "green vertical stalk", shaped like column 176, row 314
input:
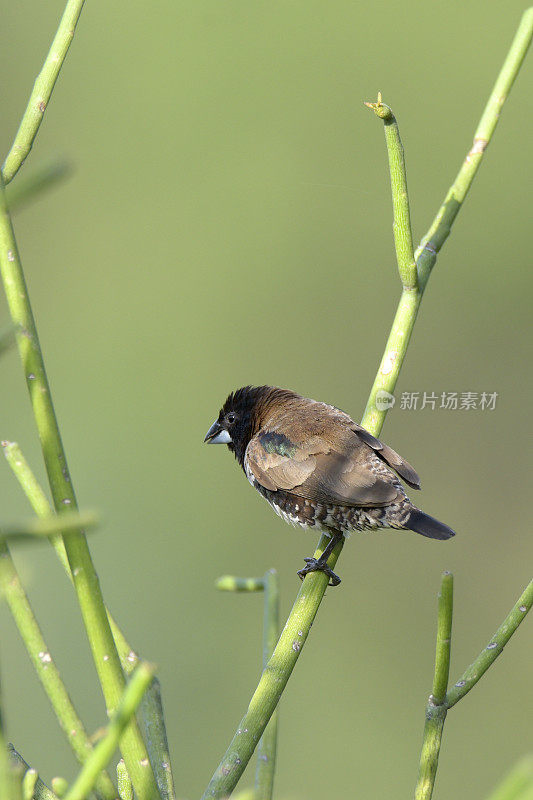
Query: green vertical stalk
column 266, row 749
column 436, row 709
column 84, row 575
column 45, row 666
column 103, row 752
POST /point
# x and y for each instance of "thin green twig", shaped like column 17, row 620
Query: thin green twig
column 436, row 709
column 42, row 90
column 274, row 678
column 444, row 639
column 103, row 752
column 403, row 238
column 82, row 568
column 490, row 653
column 44, row 664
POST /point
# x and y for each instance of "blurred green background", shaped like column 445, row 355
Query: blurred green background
column 228, row 221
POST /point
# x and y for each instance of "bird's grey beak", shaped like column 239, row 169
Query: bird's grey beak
column 217, row 435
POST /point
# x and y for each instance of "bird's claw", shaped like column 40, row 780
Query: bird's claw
column 318, row 565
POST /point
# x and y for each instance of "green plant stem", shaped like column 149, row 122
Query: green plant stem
column 267, row 747
column 39, row 502
column 152, row 716
column 41, row 790
column 84, row 575
column 46, row 669
column 436, row 709
column 103, row 752
column 444, row 639
column 439, row 230
column 28, row 187
column 42, row 90
column 429, row 757
column 401, row 226
column 441, row 701
column 490, row 653
column 271, row 684
column 153, row 725
column 280, row 666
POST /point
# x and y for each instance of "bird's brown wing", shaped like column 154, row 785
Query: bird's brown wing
column 334, row 469
column 390, row 456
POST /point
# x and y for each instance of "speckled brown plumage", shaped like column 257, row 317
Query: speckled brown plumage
column 317, row 467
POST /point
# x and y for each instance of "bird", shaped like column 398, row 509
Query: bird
column 318, row 468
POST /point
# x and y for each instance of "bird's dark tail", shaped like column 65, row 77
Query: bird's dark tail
column 428, row 526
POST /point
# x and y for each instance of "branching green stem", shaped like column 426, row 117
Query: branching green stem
column 294, row 635
column 490, row 653
column 426, row 253
column 441, row 701
column 46, row 669
column 103, row 752
column 84, row 575
column 42, row 90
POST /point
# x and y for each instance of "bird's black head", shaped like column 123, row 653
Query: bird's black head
column 242, row 415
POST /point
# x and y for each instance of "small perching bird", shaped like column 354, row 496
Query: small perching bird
column 318, row 468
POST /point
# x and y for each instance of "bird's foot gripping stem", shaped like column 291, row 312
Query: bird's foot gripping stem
column 313, row 564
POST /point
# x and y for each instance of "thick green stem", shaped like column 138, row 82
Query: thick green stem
column 84, row 575
column 429, row 758
column 46, row 669
column 490, row 653
column 42, row 90
column 103, row 752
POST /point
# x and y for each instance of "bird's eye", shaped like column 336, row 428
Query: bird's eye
column 231, row 417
